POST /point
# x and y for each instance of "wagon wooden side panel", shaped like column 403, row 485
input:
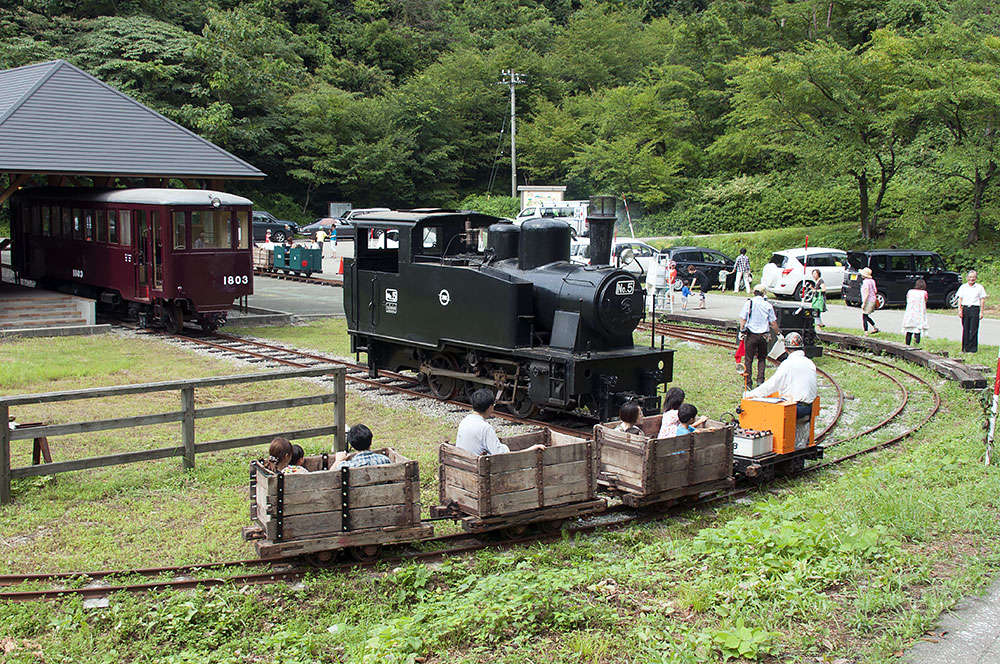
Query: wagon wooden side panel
column 563, row 472
column 647, row 469
column 343, row 502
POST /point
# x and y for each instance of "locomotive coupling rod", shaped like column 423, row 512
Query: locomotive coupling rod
column 428, row 370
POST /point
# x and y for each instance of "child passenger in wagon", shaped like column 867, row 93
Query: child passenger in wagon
column 360, row 438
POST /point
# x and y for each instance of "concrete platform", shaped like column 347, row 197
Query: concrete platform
column 970, row 634
column 296, row 298
column 23, row 308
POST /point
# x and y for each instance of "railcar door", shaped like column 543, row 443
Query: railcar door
column 142, row 252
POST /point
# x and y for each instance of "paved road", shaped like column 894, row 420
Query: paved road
column 944, row 324
column 971, row 634
column 294, row 297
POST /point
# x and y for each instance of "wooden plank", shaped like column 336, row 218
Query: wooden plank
column 567, row 493
column 612, row 473
column 378, row 494
column 96, row 462
column 514, row 480
column 187, row 426
column 630, row 460
column 259, row 406
column 667, row 481
column 514, row 501
column 302, row 526
column 565, row 473
column 559, row 438
column 367, row 475
column 249, row 441
column 459, row 477
column 306, row 502
column 271, row 549
column 96, row 425
column 631, row 500
column 564, row 453
column 467, row 501
column 5, row 470
column 458, row 458
column 381, row 516
column 571, row 510
column 522, row 441
column 502, row 463
column 673, row 463
column 143, row 388
column 339, row 411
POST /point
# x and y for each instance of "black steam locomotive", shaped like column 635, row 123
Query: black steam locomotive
column 468, row 301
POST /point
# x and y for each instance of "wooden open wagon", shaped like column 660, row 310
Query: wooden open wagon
column 644, row 470
column 325, row 510
column 523, row 486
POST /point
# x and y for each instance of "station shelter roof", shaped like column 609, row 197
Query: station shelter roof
column 58, row 119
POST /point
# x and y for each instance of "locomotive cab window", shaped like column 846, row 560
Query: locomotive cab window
column 378, row 249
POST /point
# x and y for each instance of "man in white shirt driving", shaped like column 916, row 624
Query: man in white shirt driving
column 795, row 379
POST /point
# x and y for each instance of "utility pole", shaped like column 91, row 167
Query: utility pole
column 512, row 79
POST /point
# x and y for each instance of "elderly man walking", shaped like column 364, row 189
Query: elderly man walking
column 971, row 297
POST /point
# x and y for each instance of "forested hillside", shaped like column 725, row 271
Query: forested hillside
column 724, row 115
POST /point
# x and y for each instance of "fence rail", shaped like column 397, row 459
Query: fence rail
column 186, row 416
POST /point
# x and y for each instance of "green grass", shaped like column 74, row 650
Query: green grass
column 851, row 564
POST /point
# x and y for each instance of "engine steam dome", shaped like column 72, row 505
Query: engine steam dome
column 543, row 241
column 503, row 239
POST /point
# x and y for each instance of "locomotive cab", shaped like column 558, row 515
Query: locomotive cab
column 469, row 301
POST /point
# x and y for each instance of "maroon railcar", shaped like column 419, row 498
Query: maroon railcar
column 161, row 255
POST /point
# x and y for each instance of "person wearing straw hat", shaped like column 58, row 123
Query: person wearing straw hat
column 869, row 301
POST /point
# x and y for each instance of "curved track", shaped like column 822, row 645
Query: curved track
column 283, row 570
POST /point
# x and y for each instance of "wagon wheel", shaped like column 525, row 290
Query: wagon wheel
column 365, row 554
column 443, row 387
column 515, row 531
column 173, row 318
column 551, row 527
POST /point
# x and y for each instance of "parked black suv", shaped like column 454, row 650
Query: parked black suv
column 895, row 271
column 710, row 261
column 280, row 230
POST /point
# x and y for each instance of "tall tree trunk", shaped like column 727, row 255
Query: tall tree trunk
column 982, row 180
column 882, row 186
column 862, row 179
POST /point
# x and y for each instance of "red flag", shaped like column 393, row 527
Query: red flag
column 741, row 350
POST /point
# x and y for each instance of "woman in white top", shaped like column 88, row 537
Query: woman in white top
column 915, row 316
column 672, row 400
column 971, row 297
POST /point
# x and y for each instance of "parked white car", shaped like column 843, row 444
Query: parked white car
column 643, row 254
column 790, row 271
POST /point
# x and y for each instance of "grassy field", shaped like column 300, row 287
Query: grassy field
column 849, row 565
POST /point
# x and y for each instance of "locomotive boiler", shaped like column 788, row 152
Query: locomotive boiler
column 469, row 301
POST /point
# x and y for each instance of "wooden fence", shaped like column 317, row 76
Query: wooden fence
column 186, row 416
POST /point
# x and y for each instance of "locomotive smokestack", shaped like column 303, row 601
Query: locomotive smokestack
column 601, row 220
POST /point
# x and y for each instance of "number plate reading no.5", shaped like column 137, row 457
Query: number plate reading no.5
column 625, row 287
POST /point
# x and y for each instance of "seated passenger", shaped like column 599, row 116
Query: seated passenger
column 630, row 414
column 295, row 465
column 360, row 438
column 475, row 434
column 279, row 455
column 686, row 415
column 672, row 400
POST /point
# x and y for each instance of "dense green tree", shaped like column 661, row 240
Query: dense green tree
column 833, row 109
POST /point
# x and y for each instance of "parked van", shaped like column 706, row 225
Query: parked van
column 896, row 271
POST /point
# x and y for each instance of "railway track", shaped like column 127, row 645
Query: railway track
column 186, row 576
column 319, row 281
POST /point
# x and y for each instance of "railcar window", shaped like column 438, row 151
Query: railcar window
column 77, row 224
column 243, row 228
column 211, row 229
column 180, row 230
column 46, row 220
column 36, row 220
column 126, row 227
column 157, row 250
column 113, row 226
column 102, row 225
column 88, row 218
column 67, row 223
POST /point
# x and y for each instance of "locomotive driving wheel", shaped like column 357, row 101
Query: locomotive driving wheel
column 523, row 406
column 443, row 387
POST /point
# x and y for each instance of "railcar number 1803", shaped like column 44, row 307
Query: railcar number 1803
column 235, row 280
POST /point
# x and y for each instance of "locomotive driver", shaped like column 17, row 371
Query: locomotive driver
column 795, row 379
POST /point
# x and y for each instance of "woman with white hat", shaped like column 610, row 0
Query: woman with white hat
column 869, row 302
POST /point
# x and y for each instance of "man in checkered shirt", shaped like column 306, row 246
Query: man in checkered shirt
column 743, row 273
column 360, row 438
